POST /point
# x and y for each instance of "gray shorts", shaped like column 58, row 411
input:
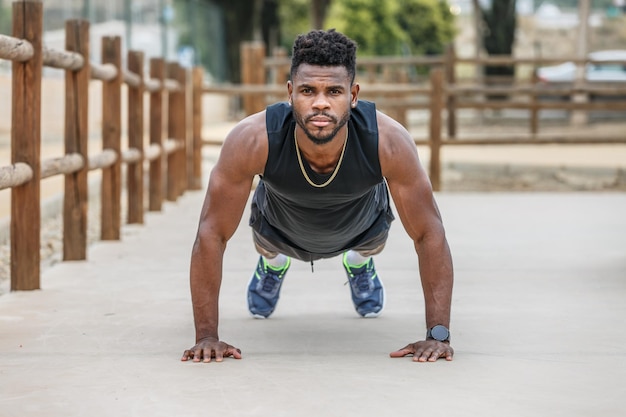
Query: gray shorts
column 271, row 244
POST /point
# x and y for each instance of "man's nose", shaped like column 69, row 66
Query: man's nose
column 321, row 101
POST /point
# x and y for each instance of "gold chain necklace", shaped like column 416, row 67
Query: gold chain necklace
column 306, row 176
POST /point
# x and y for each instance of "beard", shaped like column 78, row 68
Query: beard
column 323, row 139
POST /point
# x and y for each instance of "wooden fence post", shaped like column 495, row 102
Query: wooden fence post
column 450, row 65
column 174, row 168
column 280, row 74
column 134, row 171
column 180, row 129
column 111, row 139
column 534, row 105
column 157, row 166
column 436, row 108
column 195, row 173
column 26, row 148
column 76, row 195
column 253, row 72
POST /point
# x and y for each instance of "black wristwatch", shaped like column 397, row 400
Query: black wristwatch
column 438, row 332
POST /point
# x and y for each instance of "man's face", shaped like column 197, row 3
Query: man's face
column 321, row 98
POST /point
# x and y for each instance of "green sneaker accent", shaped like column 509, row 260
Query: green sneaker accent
column 348, row 266
column 280, row 270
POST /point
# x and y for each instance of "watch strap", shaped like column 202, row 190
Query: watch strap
column 438, row 332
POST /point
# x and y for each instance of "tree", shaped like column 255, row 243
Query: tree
column 394, row 27
column 370, row 23
column 238, row 27
column 498, row 35
column 319, row 9
column 428, row 24
column 294, row 20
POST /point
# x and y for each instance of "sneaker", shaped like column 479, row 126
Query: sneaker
column 264, row 288
column 368, row 294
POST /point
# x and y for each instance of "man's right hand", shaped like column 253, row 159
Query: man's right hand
column 209, row 348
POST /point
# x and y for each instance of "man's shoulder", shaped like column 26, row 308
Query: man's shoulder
column 277, row 116
column 251, row 124
column 392, row 134
column 245, row 146
column 249, row 132
column 389, row 127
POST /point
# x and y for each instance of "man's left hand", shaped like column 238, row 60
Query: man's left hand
column 425, row 351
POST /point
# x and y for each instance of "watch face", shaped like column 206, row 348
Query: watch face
column 440, row 333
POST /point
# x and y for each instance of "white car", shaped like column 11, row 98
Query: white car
column 594, row 72
column 598, row 73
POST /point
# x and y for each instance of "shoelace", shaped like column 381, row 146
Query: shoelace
column 269, row 282
column 362, row 282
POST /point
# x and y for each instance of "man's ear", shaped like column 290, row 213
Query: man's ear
column 289, row 91
column 354, row 91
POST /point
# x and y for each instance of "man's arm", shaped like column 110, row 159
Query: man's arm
column 413, row 197
column 243, row 155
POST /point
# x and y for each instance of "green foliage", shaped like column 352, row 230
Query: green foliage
column 5, row 18
column 294, row 20
column 429, row 25
column 394, row 27
column 370, row 23
column 389, row 27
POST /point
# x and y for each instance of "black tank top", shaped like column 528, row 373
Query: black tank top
column 322, row 221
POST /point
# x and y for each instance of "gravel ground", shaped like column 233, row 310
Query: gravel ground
column 52, row 241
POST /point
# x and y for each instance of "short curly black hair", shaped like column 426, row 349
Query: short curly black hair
column 325, row 48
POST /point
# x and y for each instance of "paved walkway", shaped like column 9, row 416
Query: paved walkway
column 537, row 324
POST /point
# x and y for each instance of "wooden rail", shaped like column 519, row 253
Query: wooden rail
column 386, row 81
column 168, row 164
column 172, row 160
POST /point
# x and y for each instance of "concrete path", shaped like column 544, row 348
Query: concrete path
column 538, row 324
